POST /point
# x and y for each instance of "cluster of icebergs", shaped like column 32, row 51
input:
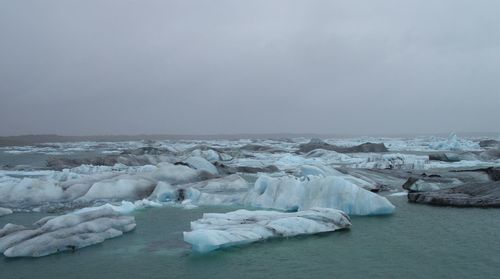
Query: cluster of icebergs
column 195, row 182
column 302, row 193
column 320, row 202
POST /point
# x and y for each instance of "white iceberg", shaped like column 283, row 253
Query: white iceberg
column 121, row 188
column 463, row 164
column 225, row 184
column 393, row 161
column 291, row 194
column 10, row 228
column 454, row 143
column 219, row 191
column 164, row 192
column 211, row 155
column 329, row 155
column 197, row 197
column 175, row 174
column 27, row 190
column 62, row 233
column 399, row 194
column 123, row 207
column 5, row 211
column 200, row 163
column 324, row 170
column 30, row 191
column 315, row 170
column 219, row 230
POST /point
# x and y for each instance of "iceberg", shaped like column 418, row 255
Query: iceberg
column 322, row 170
column 122, row 188
column 330, row 155
column 455, row 143
column 197, row 197
column 29, row 190
column 314, row 170
column 5, row 211
column 10, row 228
column 219, row 191
column 219, row 230
column 394, row 161
column 164, row 192
column 225, row 184
column 176, row 174
column 291, row 194
column 200, row 163
column 123, row 207
column 64, row 233
column 211, row 155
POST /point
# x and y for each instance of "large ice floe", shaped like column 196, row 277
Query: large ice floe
column 290, row 193
column 64, row 233
column 219, row 230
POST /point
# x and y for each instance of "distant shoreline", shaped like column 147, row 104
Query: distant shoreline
column 23, row 140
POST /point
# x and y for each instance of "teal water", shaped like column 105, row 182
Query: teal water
column 418, row 241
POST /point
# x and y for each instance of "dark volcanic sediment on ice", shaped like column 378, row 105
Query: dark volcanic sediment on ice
column 320, row 144
column 485, row 194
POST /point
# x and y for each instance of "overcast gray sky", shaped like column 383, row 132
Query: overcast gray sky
column 228, row 66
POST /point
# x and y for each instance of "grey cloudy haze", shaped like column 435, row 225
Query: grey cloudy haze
column 228, row 66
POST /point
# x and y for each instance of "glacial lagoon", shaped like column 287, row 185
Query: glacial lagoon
column 415, row 241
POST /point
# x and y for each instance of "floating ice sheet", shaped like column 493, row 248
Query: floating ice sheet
column 219, row 230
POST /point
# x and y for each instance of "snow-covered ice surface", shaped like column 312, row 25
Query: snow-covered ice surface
column 219, row 230
column 64, row 233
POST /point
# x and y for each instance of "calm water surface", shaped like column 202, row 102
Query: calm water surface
column 417, row 242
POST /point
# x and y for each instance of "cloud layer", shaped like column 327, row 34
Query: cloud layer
column 230, row 66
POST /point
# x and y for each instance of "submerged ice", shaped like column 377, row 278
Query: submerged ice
column 219, row 230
